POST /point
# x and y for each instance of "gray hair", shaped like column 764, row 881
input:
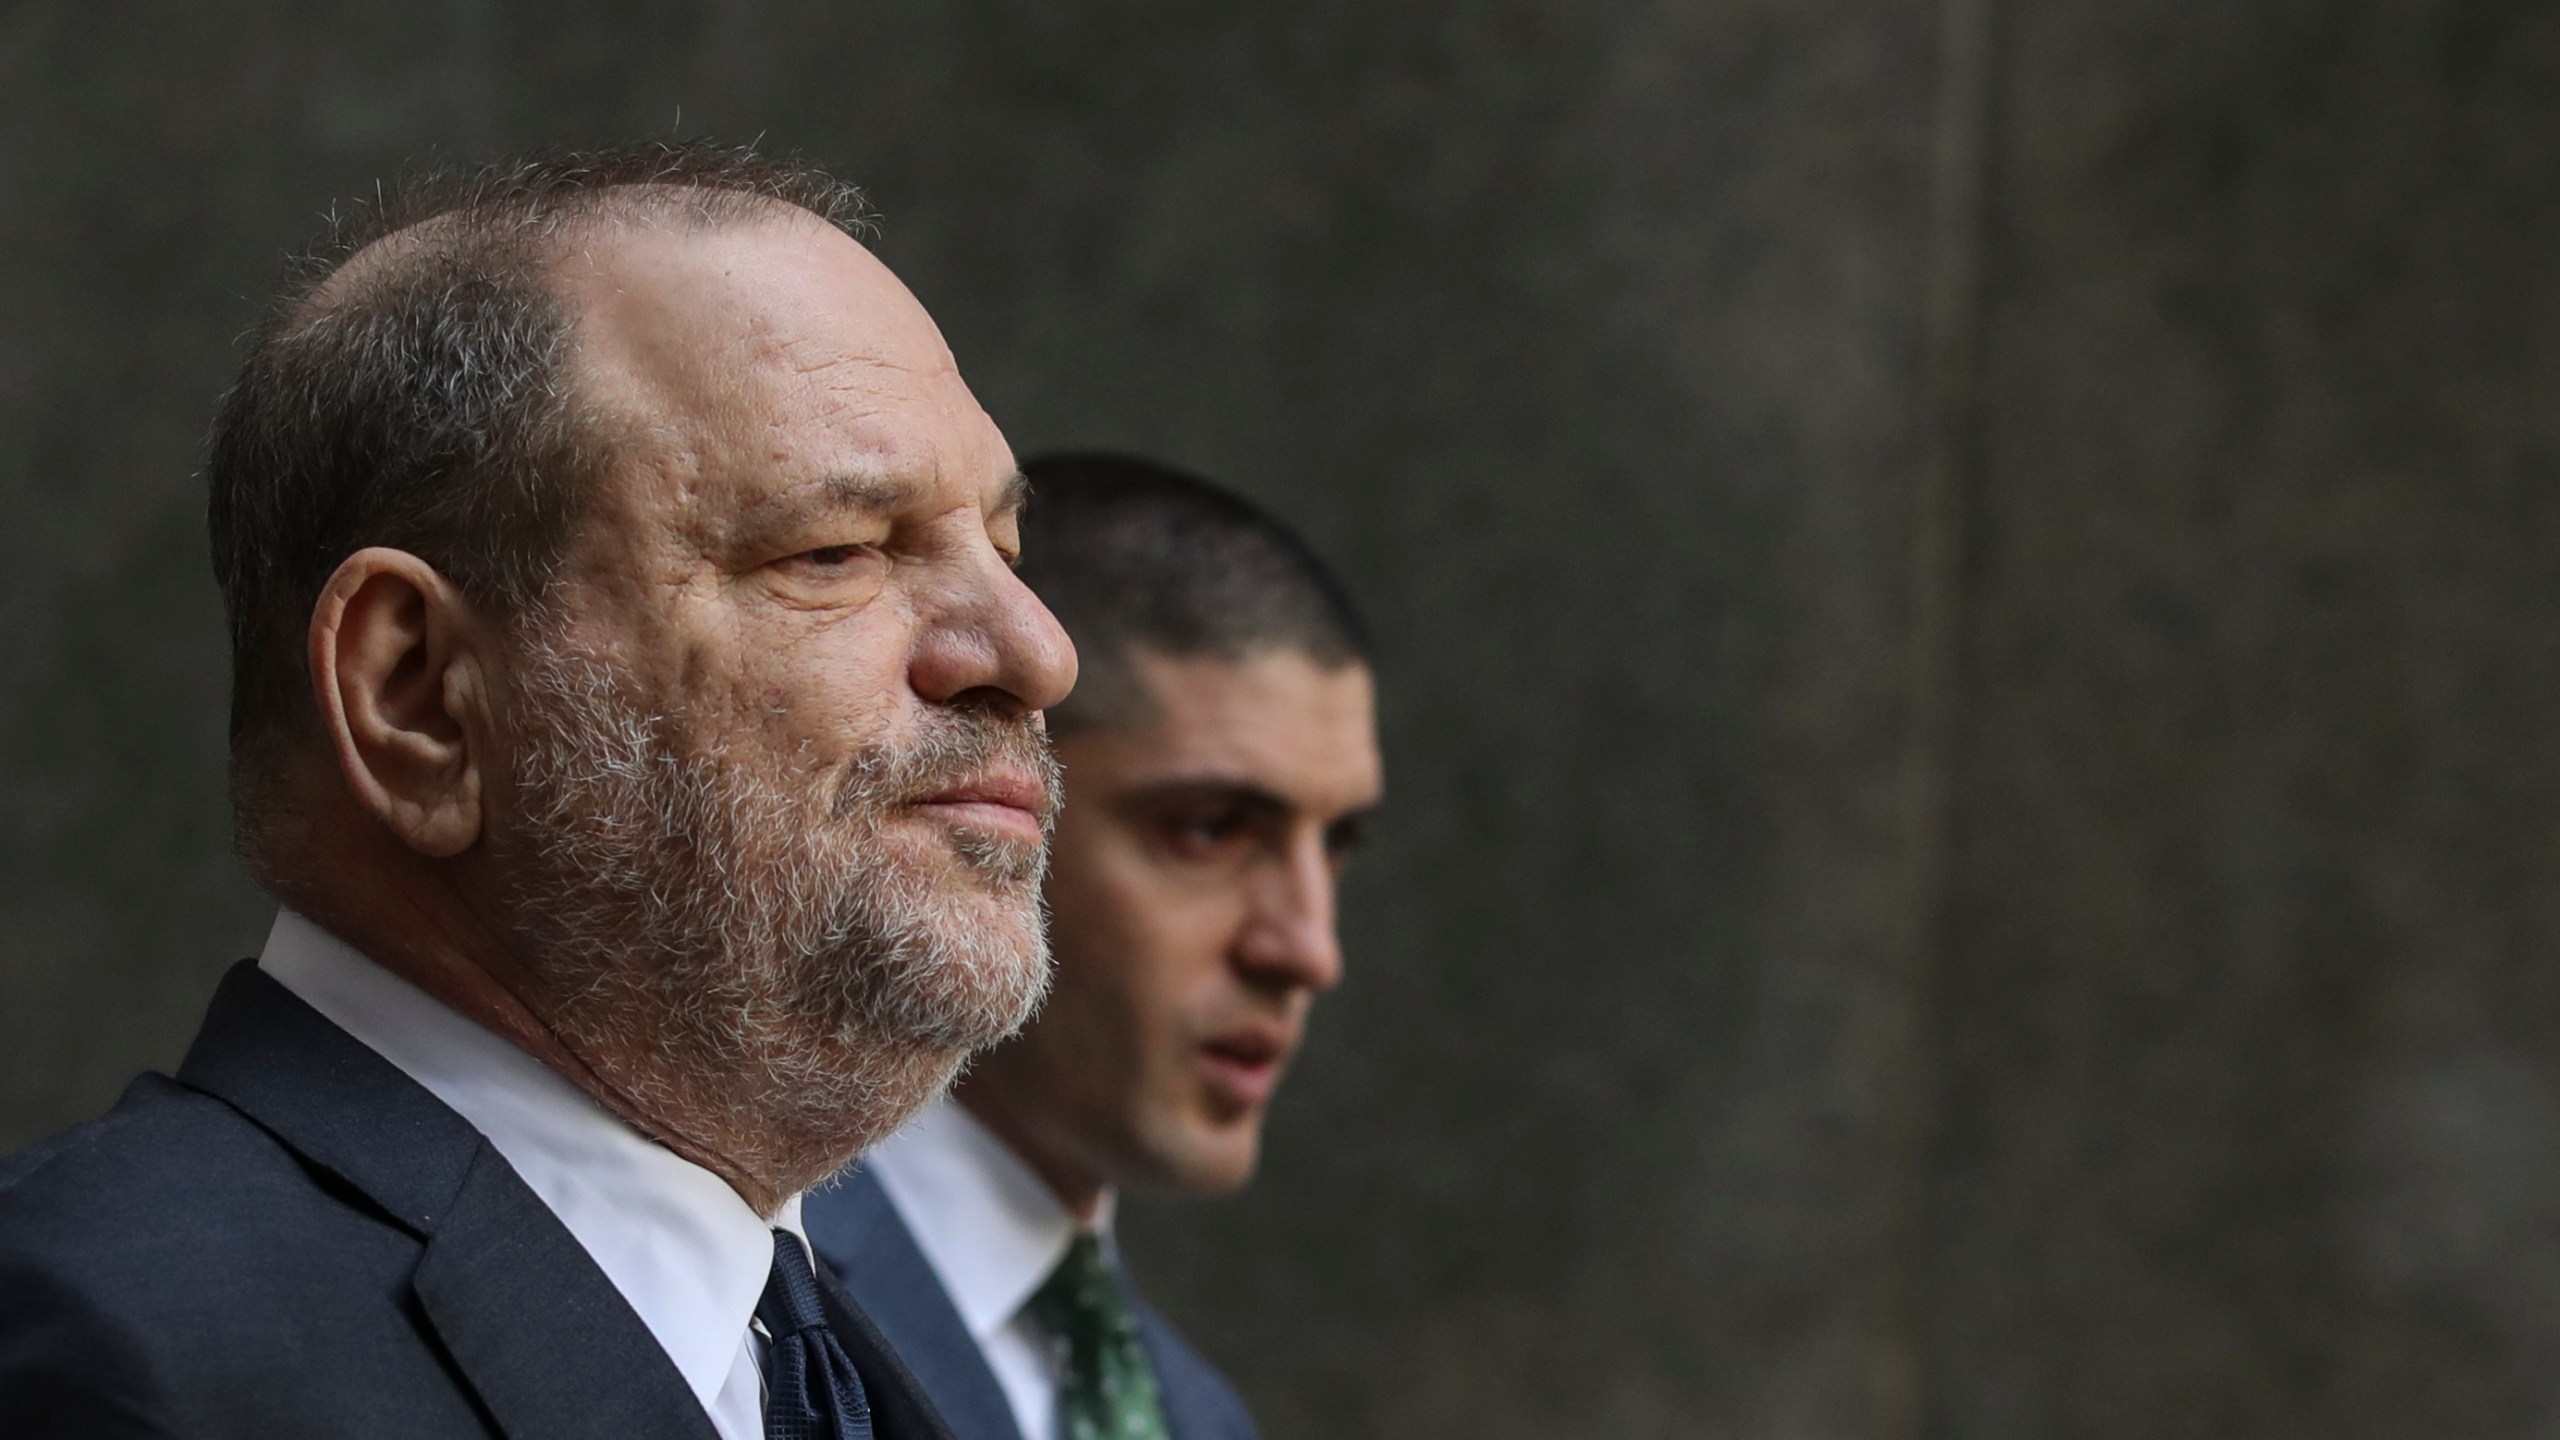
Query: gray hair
column 409, row 388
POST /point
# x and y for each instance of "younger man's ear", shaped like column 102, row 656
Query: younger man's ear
column 398, row 673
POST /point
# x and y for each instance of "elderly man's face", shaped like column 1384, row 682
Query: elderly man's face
column 780, row 795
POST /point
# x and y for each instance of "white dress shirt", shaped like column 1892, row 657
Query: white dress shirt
column 689, row 1256
column 992, row 1230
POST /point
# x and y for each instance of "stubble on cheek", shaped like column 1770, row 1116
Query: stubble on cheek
column 744, row 946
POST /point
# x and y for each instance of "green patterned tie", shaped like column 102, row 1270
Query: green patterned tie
column 1108, row 1388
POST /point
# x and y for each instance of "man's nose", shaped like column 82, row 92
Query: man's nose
column 1291, row 938
column 992, row 636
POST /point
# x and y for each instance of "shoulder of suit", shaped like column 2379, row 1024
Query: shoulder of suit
column 1205, row 1390
column 103, row 1229
column 170, row 1204
column 162, row 1140
column 68, row 1366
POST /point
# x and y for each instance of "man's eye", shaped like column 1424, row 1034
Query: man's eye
column 832, row 574
column 1203, row 833
column 832, row 562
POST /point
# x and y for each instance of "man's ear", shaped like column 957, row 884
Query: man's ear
column 401, row 682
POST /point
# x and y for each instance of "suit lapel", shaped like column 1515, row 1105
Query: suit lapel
column 1182, row 1417
column 546, row 1342
column 870, row 1251
column 1191, row 1402
column 900, row 1407
column 549, row 1344
column 330, row 1099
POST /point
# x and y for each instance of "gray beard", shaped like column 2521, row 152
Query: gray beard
column 767, row 973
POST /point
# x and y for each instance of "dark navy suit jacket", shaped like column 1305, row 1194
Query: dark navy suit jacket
column 855, row 1229
column 293, row 1240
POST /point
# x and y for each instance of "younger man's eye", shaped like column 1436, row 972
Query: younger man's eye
column 1206, row 832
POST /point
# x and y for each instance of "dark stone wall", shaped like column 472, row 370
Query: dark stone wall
column 1965, row 640
column 2249, row 1114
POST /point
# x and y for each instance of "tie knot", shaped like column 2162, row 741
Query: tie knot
column 790, row 1304
column 1081, row 1300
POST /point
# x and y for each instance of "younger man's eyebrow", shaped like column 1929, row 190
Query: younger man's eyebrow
column 1209, row 790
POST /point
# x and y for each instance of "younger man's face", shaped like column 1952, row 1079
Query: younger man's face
column 1191, row 894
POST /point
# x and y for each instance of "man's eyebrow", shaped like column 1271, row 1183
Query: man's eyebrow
column 1356, row 821
column 1015, row 495
column 859, row 494
column 868, row 493
column 1205, row 789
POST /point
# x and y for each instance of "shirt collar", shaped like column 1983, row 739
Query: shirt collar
column 684, row 1250
column 990, row 1226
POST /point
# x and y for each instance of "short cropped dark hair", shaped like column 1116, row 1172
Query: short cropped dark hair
column 1134, row 555
column 409, row 387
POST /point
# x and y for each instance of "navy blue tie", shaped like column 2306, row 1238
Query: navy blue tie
column 810, row 1390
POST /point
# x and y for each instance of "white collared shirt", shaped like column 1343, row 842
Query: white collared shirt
column 689, row 1256
column 993, row 1230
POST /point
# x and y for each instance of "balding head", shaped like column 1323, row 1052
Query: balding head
column 414, row 386
column 629, row 652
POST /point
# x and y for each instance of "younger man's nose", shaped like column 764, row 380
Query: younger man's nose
column 1291, row 938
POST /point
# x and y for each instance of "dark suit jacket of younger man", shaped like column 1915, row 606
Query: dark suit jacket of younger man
column 293, row 1240
column 856, row 1230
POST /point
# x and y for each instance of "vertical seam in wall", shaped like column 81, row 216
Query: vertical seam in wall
column 1960, row 183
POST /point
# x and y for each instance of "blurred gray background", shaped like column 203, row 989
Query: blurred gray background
column 1971, row 629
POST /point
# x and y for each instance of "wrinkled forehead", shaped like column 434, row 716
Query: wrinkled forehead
column 763, row 355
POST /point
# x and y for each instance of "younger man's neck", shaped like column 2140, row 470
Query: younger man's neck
column 1079, row 1191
